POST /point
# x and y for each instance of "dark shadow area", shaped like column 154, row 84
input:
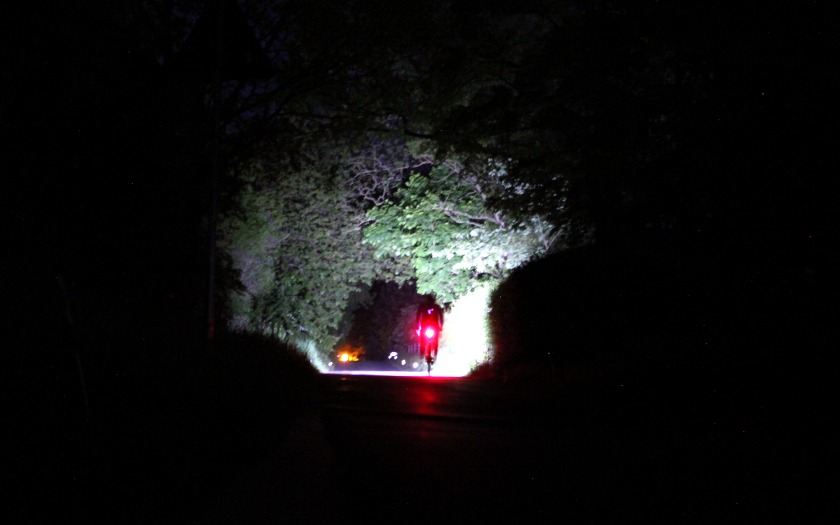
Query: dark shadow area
column 697, row 310
column 384, row 324
column 710, row 360
column 155, row 441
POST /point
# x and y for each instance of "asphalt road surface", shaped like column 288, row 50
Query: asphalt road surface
column 412, row 449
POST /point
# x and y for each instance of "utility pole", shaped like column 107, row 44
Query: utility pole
column 221, row 46
column 74, row 341
column 214, row 176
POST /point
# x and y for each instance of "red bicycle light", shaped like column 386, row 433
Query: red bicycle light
column 430, row 333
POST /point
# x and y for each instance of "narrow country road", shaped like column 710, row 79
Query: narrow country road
column 414, row 449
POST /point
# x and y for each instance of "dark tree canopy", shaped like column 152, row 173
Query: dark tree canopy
column 616, row 122
column 611, row 114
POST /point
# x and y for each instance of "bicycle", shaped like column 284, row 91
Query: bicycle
column 429, row 346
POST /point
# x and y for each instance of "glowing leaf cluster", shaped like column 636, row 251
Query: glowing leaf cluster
column 295, row 238
column 440, row 221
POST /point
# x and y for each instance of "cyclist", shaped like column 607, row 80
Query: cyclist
column 429, row 316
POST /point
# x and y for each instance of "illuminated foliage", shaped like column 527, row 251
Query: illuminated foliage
column 294, row 236
column 441, row 222
column 303, row 241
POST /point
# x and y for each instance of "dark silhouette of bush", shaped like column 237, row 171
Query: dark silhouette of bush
column 172, row 431
column 683, row 309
